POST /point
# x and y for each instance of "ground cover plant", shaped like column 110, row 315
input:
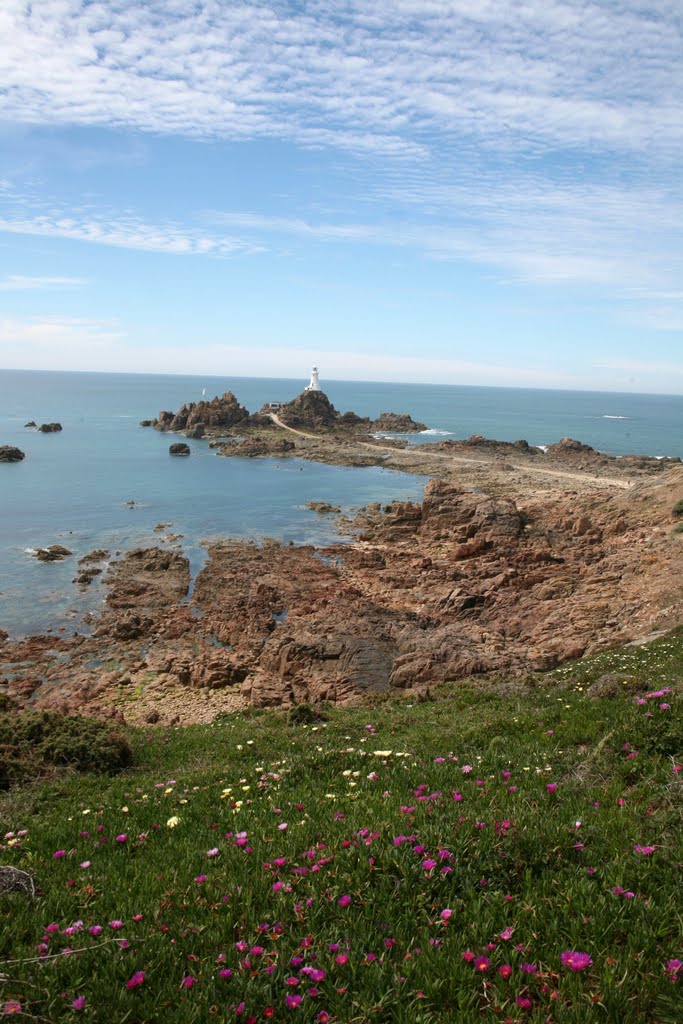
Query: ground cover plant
column 507, row 851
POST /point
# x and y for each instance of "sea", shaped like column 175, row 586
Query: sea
column 105, row 482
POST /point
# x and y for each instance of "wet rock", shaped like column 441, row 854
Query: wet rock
column 323, row 507
column 8, row 453
column 179, row 448
column 54, row 553
column 50, row 428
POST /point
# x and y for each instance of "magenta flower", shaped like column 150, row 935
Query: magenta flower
column 344, row 901
column 644, row 850
column 505, row 971
column 123, row 838
column 95, row 929
column 575, row 960
column 674, row 968
column 468, row 956
column 528, row 968
column 292, row 1002
column 225, row 973
column 79, row 1003
column 341, row 959
column 187, row 982
column 428, row 864
column 446, row 914
column 551, row 787
column 482, row 964
column 116, row 925
column 11, row 1006
column 58, row 854
column 524, row 1002
column 200, row 878
column 136, row 980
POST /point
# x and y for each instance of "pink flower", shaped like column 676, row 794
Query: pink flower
column 123, row 838
column 323, row 1017
column 11, row 1006
column 674, row 968
column 524, row 1002
column 575, row 960
column 645, row 850
column 468, row 956
column 344, row 901
column 506, row 934
column 116, row 925
column 213, row 853
column 292, row 1001
column 200, row 878
column 505, row 971
column 79, row 1003
column 136, row 980
column 528, row 968
column 428, row 864
column 456, row 796
column 85, row 864
column 341, row 959
column 58, row 854
column 446, row 914
column 95, row 929
column 187, row 982
column 482, row 964
column 551, row 787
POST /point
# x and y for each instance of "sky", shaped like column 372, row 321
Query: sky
column 447, row 191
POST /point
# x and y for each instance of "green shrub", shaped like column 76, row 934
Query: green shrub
column 33, row 743
column 305, row 714
column 677, row 510
column 678, row 528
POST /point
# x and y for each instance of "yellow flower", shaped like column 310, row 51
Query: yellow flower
column 172, row 822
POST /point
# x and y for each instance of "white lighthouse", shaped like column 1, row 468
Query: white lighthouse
column 315, row 383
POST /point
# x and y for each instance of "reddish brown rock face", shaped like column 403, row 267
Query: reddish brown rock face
column 462, row 584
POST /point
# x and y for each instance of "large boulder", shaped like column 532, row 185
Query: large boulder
column 50, row 428
column 179, row 448
column 10, row 454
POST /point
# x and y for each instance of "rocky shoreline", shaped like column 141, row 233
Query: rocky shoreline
column 517, row 560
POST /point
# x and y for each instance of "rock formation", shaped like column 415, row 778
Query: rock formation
column 10, row 454
column 458, row 585
column 179, row 448
column 50, row 428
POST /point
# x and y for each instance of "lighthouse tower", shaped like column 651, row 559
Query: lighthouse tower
column 315, row 383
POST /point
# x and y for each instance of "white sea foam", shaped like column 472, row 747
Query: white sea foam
column 543, row 447
column 437, row 433
column 607, row 417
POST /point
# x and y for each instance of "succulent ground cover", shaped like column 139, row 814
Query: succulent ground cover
column 508, row 851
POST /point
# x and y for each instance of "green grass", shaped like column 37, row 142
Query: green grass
column 368, row 800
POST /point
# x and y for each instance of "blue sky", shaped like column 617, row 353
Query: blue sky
column 449, row 191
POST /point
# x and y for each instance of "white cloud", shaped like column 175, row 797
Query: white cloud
column 21, row 283
column 365, row 74
column 124, row 231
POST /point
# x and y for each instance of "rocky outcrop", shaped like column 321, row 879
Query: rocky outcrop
column 179, row 448
column 10, row 454
column 222, row 413
column 397, row 423
column 55, row 553
column 458, row 585
column 311, row 410
column 50, row 428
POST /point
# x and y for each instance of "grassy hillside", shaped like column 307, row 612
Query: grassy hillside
column 507, row 851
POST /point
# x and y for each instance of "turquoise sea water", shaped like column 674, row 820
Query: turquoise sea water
column 74, row 486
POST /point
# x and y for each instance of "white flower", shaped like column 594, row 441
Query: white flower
column 172, row 822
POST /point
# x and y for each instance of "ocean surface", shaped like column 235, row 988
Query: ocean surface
column 74, row 487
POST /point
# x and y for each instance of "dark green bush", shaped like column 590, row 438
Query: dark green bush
column 306, row 714
column 34, row 743
column 677, row 510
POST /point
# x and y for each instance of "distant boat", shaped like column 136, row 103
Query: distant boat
column 203, row 392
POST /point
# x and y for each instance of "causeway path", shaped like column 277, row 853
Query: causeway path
column 600, row 481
